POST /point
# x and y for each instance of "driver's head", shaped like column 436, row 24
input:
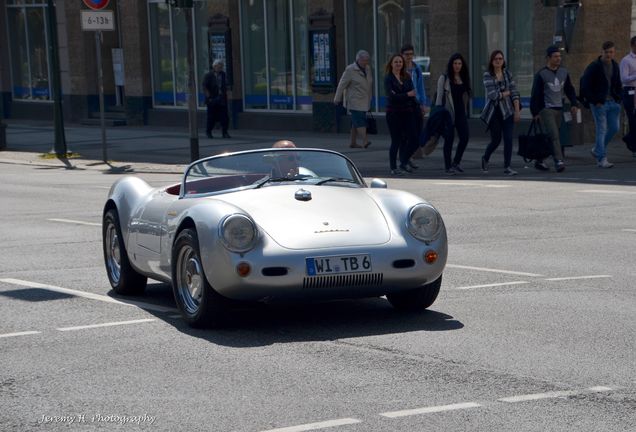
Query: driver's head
column 286, row 163
column 284, row 144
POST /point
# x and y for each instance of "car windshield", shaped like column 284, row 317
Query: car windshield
column 271, row 167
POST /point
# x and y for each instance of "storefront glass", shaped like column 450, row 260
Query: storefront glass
column 162, row 65
column 504, row 25
column 28, row 33
column 275, row 56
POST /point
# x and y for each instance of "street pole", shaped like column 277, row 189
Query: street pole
column 60, row 140
column 100, row 84
column 192, row 99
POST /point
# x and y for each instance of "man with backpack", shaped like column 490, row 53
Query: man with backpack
column 601, row 91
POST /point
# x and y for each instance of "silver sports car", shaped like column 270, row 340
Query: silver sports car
column 272, row 224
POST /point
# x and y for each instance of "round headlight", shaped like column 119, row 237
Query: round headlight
column 239, row 233
column 424, row 222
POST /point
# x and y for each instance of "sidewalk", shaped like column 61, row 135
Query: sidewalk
column 158, row 149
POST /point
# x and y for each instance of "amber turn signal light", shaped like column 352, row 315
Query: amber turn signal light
column 430, row 256
column 243, row 269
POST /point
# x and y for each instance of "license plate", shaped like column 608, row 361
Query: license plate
column 328, row 265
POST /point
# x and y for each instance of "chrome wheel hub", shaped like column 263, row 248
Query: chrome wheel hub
column 189, row 279
column 113, row 254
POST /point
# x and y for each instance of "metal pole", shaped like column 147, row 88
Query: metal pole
column 192, row 99
column 56, row 87
column 100, row 84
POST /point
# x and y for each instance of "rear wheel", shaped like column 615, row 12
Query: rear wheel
column 123, row 278
column 416, row 299
column 199, row 304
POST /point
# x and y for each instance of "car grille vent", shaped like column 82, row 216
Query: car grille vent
column 344, row 281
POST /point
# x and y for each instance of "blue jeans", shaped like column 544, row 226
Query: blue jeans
column 606, row 118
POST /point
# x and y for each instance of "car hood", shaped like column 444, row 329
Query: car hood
column 333, row 217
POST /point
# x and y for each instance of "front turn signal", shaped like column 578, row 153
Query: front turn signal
column 430, row 256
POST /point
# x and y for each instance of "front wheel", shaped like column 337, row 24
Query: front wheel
column 416, row 299
column 122, row 276
column 199, row 304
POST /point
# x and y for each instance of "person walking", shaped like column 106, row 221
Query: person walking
column 601, row 88
column 408, row 53
column 502, row 109
column 401, row 107
column 628, row 78
column 550, row 85
column 453, row 93
column 215, row 91
column 355, row 88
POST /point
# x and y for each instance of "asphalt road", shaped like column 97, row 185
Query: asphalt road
column 534, row 329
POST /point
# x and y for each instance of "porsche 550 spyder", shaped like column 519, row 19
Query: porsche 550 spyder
column 272, row 224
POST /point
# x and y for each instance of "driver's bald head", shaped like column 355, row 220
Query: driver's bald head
column 284, row 144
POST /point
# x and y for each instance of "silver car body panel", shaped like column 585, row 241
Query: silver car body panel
column 337, row 221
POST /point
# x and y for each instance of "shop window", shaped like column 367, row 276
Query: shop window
column 275, row 54
column 28, row 32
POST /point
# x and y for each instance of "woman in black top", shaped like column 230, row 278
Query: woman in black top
column 453, row 93
column 400, row 113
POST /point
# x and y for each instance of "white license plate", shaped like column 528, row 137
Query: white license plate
column 338, row 264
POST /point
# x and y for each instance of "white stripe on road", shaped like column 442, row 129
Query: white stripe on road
column 484, row 269
column 24, row 333
column 579, row 277
column 603, row 191
column 629, row 230
column 314, row 426
column 492, row 285
column 472, row 184
column 552, row 395
column 428, row 410
column 75, row 222
column 110, row 324
column 142, row 305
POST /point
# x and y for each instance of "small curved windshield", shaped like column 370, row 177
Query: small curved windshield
column 271, row 167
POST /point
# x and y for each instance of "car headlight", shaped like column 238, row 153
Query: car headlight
column 424, row 222
column 239, row 233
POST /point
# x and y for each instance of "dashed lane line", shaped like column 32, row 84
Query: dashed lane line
column 429, row 410
column 109, row 324
column 553, row 394
column 579, row 277
column 98, row 297
column 316, row 426
column 605, row 191
column 491, row 285
column 75, row 222
column 491, row 270
column 24, row 333
column 629, row 230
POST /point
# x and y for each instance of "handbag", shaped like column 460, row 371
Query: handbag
column 535, row 145
column 372, row 124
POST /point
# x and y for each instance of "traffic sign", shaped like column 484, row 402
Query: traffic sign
column 96, row 4
column 97, row 20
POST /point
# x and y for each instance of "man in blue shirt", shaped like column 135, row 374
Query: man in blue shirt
column 408, row 52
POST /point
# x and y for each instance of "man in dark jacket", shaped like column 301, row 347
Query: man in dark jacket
column 546, row 102
column 601, row 88
column 215, row 91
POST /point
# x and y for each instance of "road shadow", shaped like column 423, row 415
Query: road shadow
column 255, row 324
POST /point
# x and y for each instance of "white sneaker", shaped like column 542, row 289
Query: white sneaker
column 604, row 163
column 510, row 172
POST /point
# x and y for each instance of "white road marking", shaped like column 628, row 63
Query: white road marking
column 604, row 191
column 629, row 230
column 428, row 410
column 553, row 394
column 110, row 324
column 314, row 426
column 579, row 277
column 484, row 269
column 75, row 222
column 492, row 285
column 142, row 305
column 472, row 184
column 24, row 333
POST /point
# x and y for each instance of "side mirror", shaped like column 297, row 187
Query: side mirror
column 378, row 184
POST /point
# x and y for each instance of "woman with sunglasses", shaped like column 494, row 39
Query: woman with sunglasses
column 501, row 111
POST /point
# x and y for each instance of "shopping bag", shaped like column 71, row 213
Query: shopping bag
column 535, row 145
column 372, row 125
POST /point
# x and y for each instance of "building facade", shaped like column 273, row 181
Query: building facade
column 283, row 57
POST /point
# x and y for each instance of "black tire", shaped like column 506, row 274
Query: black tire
column 416, row 299
column 122, row 276
column 200, row 305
